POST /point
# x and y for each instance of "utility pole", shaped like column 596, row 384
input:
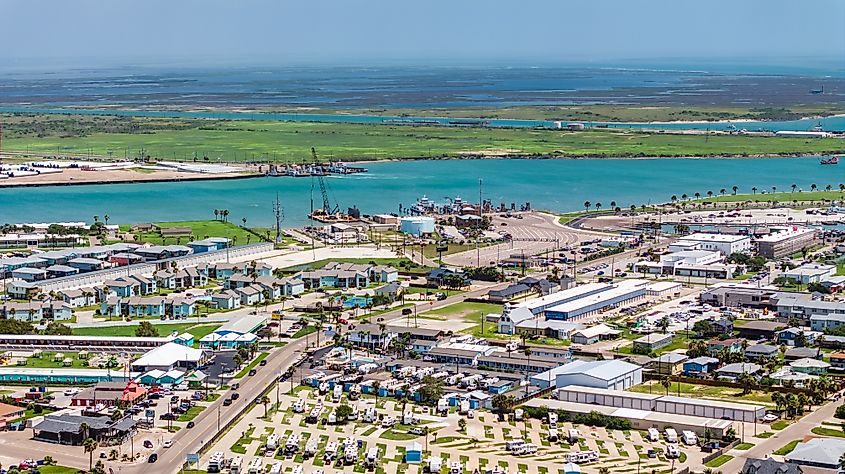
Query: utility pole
column 278, row 213
column 478, row 227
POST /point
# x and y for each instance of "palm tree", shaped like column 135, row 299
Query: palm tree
column 697, row 195
column 709, row 194
column 528, row 355
column 793, row 187
column 754, row 190
column 89, row 445
column 828, row 187
column 265, row 400
column 587, row 206
column 734, row 187
column 813, row 187
column 376, row 386
column 604, row 470
column 666, row 383
column 216, row 214
column 722, row 191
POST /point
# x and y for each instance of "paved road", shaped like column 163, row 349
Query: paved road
column 797, row 430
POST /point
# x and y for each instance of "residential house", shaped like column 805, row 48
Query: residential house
column 818, row 452
column 438, row 277
column 86, row 264
column 734, row 371
column 795, row 353
column 271, row 285
column 759, row 329
column 121, row 287
column 770, row 466
column 652, row 342
column 226, row 299
column 837, row 360
column 57, row 310
column 161, row 252
column 250, row 295
column 715, row 346
column 670, row 363
column 30, row 311
column 125, row 258
column 180, row 307
column 139, row 307
column 22, row 290
column 700, row 366
column 209, row 244
column 788, row 336
column 158, row 377
column 293, row 287
column 371, row 336
column 29, row 274
column 223, row 271
column 822, row 322
column 761, row 351
column 810, row 366
column 58, row 271
column 78, row 298
column 109, row 394
column 391, row 290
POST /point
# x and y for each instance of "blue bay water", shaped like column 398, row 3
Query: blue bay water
column 558, row 185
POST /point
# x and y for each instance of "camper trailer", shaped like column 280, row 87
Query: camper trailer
column 435, row 464
column 235, row 465
column 456, row 468
column 672, row 451
column 332, row 418
column 355, row 392
column 292, row 444
column 354, row 415
column 299, row 406
column 463, row 407
column 525, row 449
column 442, row 406
column 517, row 414
column 331, row 451
column 574, row 435
column 689, row 437
column 370, row 415
column 337, row 393
column 653, row 435
column 580, row 457
column 372, row 458
column 297, row 469
column 553, row 419
column 256, row 466
column 388, row 422
column 671, row 435
column 314, row 415
column 276, row 468
column 552, row 435
column 323, row 388
column 513, row 444
column 216, row 462
column 350, row 454
column 408, row 418
column 454, row 379
column 310, row 448
column 272, row 443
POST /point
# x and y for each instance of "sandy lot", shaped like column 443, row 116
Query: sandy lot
column 78, row 176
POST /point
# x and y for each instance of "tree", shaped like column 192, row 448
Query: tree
column 343, row 412
column 663, row 324
column 89, row 445
column 265, row 400
column 462, row 424
column 604, row 470
column 702, row 327
column 116, row 415
column 746, row 380
column 57, row 329
column 431, row 390
column 666, row 382
column 503, row 403
column 376, row 386
column 146, row 329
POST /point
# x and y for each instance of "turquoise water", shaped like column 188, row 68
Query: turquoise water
column 559, row 185
column 836, row 123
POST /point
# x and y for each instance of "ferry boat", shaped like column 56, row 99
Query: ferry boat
column 468, row 122
column 833, row 160
column 423, row 206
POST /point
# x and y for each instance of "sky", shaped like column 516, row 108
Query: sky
column 90, row 32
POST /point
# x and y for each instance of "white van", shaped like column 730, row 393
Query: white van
column 653, row 435
column 574, row 435
column 671, row 435
column 514, row 444
column 689, row 437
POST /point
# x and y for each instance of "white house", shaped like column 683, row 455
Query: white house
column 810, row 273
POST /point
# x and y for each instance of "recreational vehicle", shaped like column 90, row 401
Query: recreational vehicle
column 671, row 435
column 435, row 464
column 372, row 458
column 689, row 437
column 653, row 435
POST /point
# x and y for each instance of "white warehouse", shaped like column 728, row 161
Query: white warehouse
column 604, row 374
column 725, row 244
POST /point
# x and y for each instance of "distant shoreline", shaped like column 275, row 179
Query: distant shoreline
column 199, row 177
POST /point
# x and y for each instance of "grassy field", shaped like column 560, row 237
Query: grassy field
column 718, row 461
column 706, row 392
column 470, row 313
column 198, row 330
column 291, row 142
column 200, row 230
column 786, row 449
column 252, row 364
column 46, row 361
column 785, row 197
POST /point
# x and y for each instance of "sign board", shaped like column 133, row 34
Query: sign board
column 150, row 413
column 192, row 458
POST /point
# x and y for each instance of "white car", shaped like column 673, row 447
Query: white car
column 770, row 418
column 168, row 443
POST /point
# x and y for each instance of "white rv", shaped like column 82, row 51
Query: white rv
column 442, row 405
column 337, row 393
column 276, row 468
column 292, row 444
column 552, row 419
column 350, row 454
column 463, row 407
column 672, row 451
column 653, row 435
column 517, row 414
column 332, row 418
column 514, row 444
column 574, row 435
column 435, row 464
column 552, row 435
column 456, row 468
column 235, row 466
column 331, row 451
column 372, row 458
column 299, row 406
column 671, row 435
column 256, row 466
column 216, row 462
column 370, row 415
column 310, row 448
column 689, row 438
column 272, row 443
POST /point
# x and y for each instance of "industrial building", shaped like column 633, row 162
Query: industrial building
column 417, row 225
column 725, row 244
column 786, row 242
column 810, row 273
column 624, row 292
column 605, row 374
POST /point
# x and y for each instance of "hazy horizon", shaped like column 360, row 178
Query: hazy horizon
column 194, row 33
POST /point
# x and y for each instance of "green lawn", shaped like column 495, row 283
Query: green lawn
column 46, row 361
column 58, row 470
column 787, row 448
column 780, row 424
column 470, row 313
column 707, row 392
column 192, row 413
column 252, row 365
column 198, row 330
column 304, row 331
column 784, row 197
column 822, row 431
column 397, row 435
column 200, row 230
column 744, row 446
column 718, row 461
column 290, row 141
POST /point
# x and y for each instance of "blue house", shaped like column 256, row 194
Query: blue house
column 413, row 453
column 209, row 245
column 700, row 365
column 500, row 387
column 183, row 308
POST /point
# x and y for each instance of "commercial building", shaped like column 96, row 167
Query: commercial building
column 754, row 330
column 810, row 273
column 170, row 356
column 739, row 296
column 662, row 403
column 786, row 242
column 594, row 334
column 607, row 374
column 624, row 292
column 652, row 342
column 109, row 394
column 31, row 375
column 235, row 333
column 805, row 306
column 725, row 244
column 67, row 429
column 514, row 313
column 821, row 322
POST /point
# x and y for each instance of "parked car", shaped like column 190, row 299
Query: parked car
column 153, row 458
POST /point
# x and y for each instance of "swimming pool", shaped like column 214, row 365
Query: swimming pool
column 357, row 301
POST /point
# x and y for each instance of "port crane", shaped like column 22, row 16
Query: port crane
column 327, row 207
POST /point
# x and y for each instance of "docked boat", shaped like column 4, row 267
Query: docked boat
column 833, row 160
column 423, row 206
